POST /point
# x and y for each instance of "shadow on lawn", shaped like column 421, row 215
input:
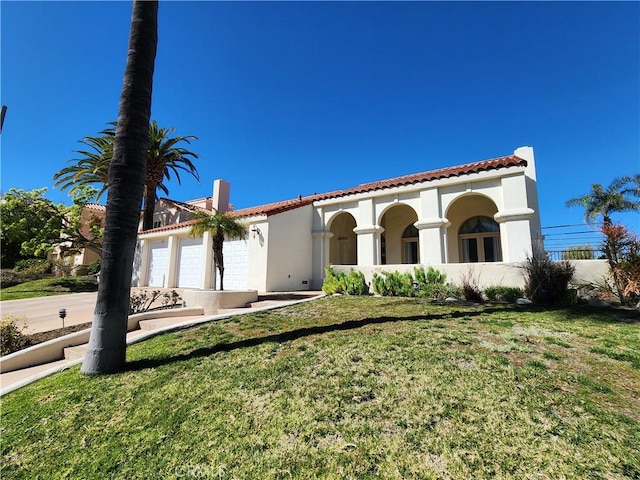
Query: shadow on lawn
column 297, row 334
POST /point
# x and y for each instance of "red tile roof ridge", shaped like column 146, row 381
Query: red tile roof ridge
column 285, row 205
column 95, row 206
column 185, row 205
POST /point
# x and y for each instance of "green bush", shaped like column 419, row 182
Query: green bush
column 547, row 281
column 93, row 268
column 9, row 278
column 11, row 337
column 41, row 264
column 580, row 252
column 425, row 284
column 338, row 282
column 500, row 293
column 32, row 269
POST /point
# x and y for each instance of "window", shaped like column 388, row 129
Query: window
column 410, row 245
column 480, row 240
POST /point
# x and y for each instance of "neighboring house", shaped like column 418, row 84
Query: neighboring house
column 483, row 213
column 92, row 214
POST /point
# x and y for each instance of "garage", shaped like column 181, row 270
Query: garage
column 236, row 261
column 190, row 262
column 158, row 261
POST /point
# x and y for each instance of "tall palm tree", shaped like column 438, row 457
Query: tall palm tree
column 221, row 226
column 91, row 169
column 615, row 198
column 107, row 343
column 164, row 158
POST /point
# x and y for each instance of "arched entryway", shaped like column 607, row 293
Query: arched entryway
column 343, row 245
column 473, row 235
column 399, row 242
column 480, row 240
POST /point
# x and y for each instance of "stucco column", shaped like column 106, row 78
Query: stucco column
column 515, row 234
column 206, row 273
column 144, row 264
column 432, row 227
column 432, row 240
column 172, row 264
column 320, row 256
column 369, row 244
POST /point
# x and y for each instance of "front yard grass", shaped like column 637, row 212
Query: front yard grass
column 348, row 387
column 49, row 286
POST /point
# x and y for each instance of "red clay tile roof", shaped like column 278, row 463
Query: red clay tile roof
column 466, row 169
column 96, row 206
column 283, row 206
column 185, row 206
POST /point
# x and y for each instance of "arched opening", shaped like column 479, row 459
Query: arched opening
column 473, row 235
column 479, row 238
column 410, row 245
column 343, row 246
column 399, row 242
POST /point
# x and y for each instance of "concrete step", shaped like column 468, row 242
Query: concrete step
column 75, row 353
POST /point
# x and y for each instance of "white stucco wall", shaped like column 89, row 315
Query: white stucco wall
column 258, row 245
column 289, row 250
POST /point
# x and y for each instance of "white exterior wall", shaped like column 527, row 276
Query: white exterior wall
column 258, row 246
column 289, row 250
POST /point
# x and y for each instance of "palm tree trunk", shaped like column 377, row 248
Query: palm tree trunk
column 107, row 344
column 149, row 207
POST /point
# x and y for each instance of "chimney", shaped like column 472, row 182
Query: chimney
column 221, row 195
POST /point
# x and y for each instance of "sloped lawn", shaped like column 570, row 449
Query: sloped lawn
column 348, row 387
column 50, row 286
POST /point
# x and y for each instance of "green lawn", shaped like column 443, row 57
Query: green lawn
column 349, row 387
column 49, row 286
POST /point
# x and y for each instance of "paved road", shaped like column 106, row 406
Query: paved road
column 42, row 313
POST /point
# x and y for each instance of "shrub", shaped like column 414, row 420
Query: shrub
column 500, row 293
column 470, row 289
column 546, row 281
column 622, row 249
column 37, row 264
column 580, row 252
column 11, row 337
column 9, row 278
column 425, row 284
column 339, row 282
column 93, row 268
column 141, row 302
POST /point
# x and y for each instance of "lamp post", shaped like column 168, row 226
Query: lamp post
column 62, row 313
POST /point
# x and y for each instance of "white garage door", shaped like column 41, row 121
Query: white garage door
column 190, row 262
column 158, row 261
column 236, row 261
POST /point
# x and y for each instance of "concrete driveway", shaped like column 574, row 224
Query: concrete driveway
column 42, row 313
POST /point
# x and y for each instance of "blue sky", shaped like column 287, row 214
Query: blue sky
column 293, row 98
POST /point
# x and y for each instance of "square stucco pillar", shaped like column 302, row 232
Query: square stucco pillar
column 321, row 240
column 432, row 228
column 368, row 239
column 206, row 278
column 172, row 264
column 515, row 233
column 432, row 240
column 144, row 264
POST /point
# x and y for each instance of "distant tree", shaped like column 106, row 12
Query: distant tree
column 221, row 226
column 82, row 228
column 165, row 158
column 30, row 225
column 615, row 198
column 107, row 344
column 579, row 252
column 622, row 249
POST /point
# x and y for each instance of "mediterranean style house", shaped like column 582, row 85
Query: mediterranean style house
column 483, row 214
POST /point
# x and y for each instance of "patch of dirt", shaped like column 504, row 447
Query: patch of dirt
column 41, row 337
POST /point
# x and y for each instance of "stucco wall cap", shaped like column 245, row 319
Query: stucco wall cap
column 513, row 215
